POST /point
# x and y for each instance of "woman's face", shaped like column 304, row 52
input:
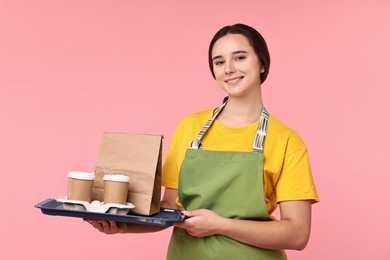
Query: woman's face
column 236, row 66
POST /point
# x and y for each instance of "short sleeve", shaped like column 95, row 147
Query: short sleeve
column 296, row 181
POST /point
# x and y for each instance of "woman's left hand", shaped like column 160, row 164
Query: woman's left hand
column 200, row 222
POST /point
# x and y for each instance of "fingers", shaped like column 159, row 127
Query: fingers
column 107, row 227
column 114, row 227
column 180, row 224
column 95, row 223
column 200, row 222
column 188, row 226
column 188, row 215
column 191, row 213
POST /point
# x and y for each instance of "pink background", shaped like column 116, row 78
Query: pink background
column 71, row 70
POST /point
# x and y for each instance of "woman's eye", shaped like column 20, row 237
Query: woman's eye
column 240, row 58
column 218, row 62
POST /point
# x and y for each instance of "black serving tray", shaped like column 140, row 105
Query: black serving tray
column 165, row 218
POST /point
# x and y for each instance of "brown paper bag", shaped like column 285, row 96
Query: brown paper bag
column 139, row 157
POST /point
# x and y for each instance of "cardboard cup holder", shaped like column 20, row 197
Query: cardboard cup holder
column 96, row 206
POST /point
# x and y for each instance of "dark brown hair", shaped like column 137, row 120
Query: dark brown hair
column 255, row 40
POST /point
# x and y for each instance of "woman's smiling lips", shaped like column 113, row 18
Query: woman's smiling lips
column 233, row 81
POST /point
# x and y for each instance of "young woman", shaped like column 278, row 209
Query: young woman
column 228, row 168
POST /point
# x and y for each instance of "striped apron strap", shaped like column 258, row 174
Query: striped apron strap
column 196, row 144
column 258, row 145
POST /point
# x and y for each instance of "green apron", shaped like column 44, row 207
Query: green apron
column 231, row 185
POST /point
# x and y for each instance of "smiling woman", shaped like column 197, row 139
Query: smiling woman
column 228, row 168
column 255, row 40
column 236, row 67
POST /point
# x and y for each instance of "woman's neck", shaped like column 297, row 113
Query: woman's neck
column 240, row 112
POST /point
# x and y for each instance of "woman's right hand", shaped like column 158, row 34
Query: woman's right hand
column 107, row 227
column 112, row 227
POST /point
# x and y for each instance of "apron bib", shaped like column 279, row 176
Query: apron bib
column 231, row 185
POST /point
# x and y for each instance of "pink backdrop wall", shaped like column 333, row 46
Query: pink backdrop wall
column 71, row 70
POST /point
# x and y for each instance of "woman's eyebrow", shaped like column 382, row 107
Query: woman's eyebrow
column 234, row 53
column 239, row 52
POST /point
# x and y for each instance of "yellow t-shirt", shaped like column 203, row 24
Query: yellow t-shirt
column 287, row 173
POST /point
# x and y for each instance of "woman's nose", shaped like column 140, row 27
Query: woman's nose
column 229, row 67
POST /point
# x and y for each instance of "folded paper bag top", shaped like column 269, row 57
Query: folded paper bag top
column 80, row 185
column 137, row 156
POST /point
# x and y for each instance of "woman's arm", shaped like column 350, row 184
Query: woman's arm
column 291, row 232
column 169, row 198
column 112, row 227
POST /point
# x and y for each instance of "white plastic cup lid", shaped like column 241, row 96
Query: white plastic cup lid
column 116, row 177
column 88, row 176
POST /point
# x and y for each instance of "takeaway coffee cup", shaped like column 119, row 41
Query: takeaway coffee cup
column 80, row 185
column 116, row 188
